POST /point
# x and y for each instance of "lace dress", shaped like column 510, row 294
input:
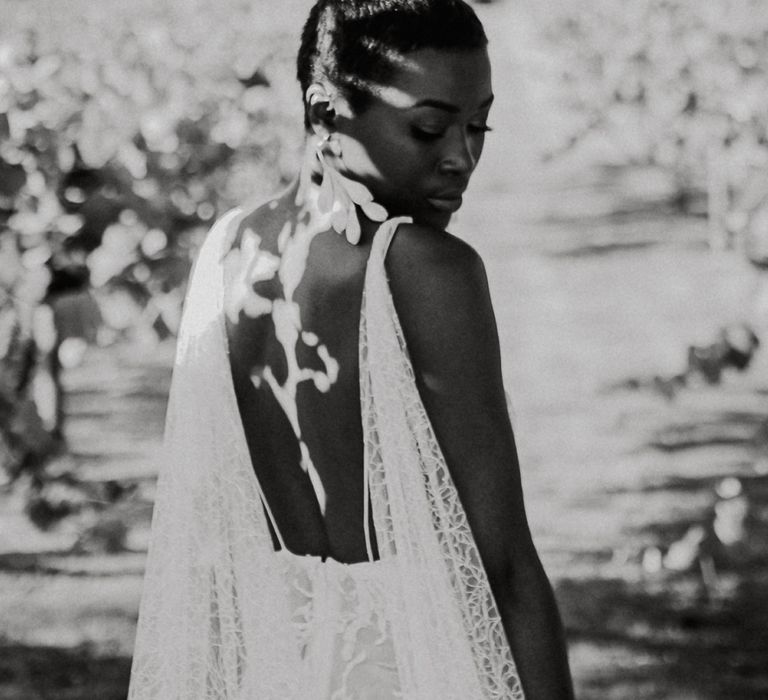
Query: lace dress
column 340, row 614
column 225, row 617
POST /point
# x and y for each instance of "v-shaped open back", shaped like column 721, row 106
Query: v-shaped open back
column 377, row 254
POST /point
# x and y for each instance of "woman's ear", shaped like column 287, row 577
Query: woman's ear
column 320, row 109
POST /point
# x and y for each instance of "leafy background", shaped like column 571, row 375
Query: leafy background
column 125, row 131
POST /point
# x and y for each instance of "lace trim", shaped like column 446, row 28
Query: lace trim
column 417, row 510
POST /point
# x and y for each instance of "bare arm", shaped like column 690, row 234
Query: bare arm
column 441, row 294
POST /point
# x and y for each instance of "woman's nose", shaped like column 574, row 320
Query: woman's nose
column 458, row 157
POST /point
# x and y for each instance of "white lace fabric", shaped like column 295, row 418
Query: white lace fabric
column 225, row 617
column 340, row 617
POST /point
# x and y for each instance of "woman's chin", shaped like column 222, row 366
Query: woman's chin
column 435, row 219
column 424, row 213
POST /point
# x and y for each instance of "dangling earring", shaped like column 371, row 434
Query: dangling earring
column 339, row 195
column 333, row 145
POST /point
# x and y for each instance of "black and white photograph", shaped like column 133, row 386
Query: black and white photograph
column 383, row 350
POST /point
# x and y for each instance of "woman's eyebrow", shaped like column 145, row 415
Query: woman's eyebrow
column 448, row 106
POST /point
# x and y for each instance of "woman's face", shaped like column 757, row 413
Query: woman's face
column 418, row 142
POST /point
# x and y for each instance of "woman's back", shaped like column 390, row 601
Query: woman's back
column 296, row 325
column 294, row 360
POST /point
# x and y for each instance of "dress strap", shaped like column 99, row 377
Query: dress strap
column 366, row 516
column 384, row 235
column 271, row 517
column 381, row 241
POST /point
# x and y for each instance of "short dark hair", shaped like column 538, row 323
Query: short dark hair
column 354, row 44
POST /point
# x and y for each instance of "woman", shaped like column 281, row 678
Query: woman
column 351, row 385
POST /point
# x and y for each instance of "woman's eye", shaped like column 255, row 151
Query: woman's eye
column 426, row 134
column 433, row 134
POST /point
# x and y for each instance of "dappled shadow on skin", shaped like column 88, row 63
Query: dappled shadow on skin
column 45, row 673
column 678, row 642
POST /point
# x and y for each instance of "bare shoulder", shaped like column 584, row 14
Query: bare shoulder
column 431, row 246
column 426, row 265
column 440, row 290
column 266, row 218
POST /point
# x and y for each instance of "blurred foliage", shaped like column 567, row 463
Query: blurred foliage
column 681, row 84
column 125, row 129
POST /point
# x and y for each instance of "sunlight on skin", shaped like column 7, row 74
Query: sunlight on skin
column 249, row 265
column 337, row 199
column 390, row 94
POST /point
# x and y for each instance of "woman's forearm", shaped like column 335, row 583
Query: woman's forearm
column 535, row 632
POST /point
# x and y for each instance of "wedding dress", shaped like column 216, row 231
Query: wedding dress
column 226, row 617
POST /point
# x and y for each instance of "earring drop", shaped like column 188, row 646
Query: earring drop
column 334, row 146
column 339, row 196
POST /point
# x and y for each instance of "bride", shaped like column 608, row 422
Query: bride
column 339, row 510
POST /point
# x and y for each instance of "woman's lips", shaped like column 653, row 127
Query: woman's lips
column 449, row 204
